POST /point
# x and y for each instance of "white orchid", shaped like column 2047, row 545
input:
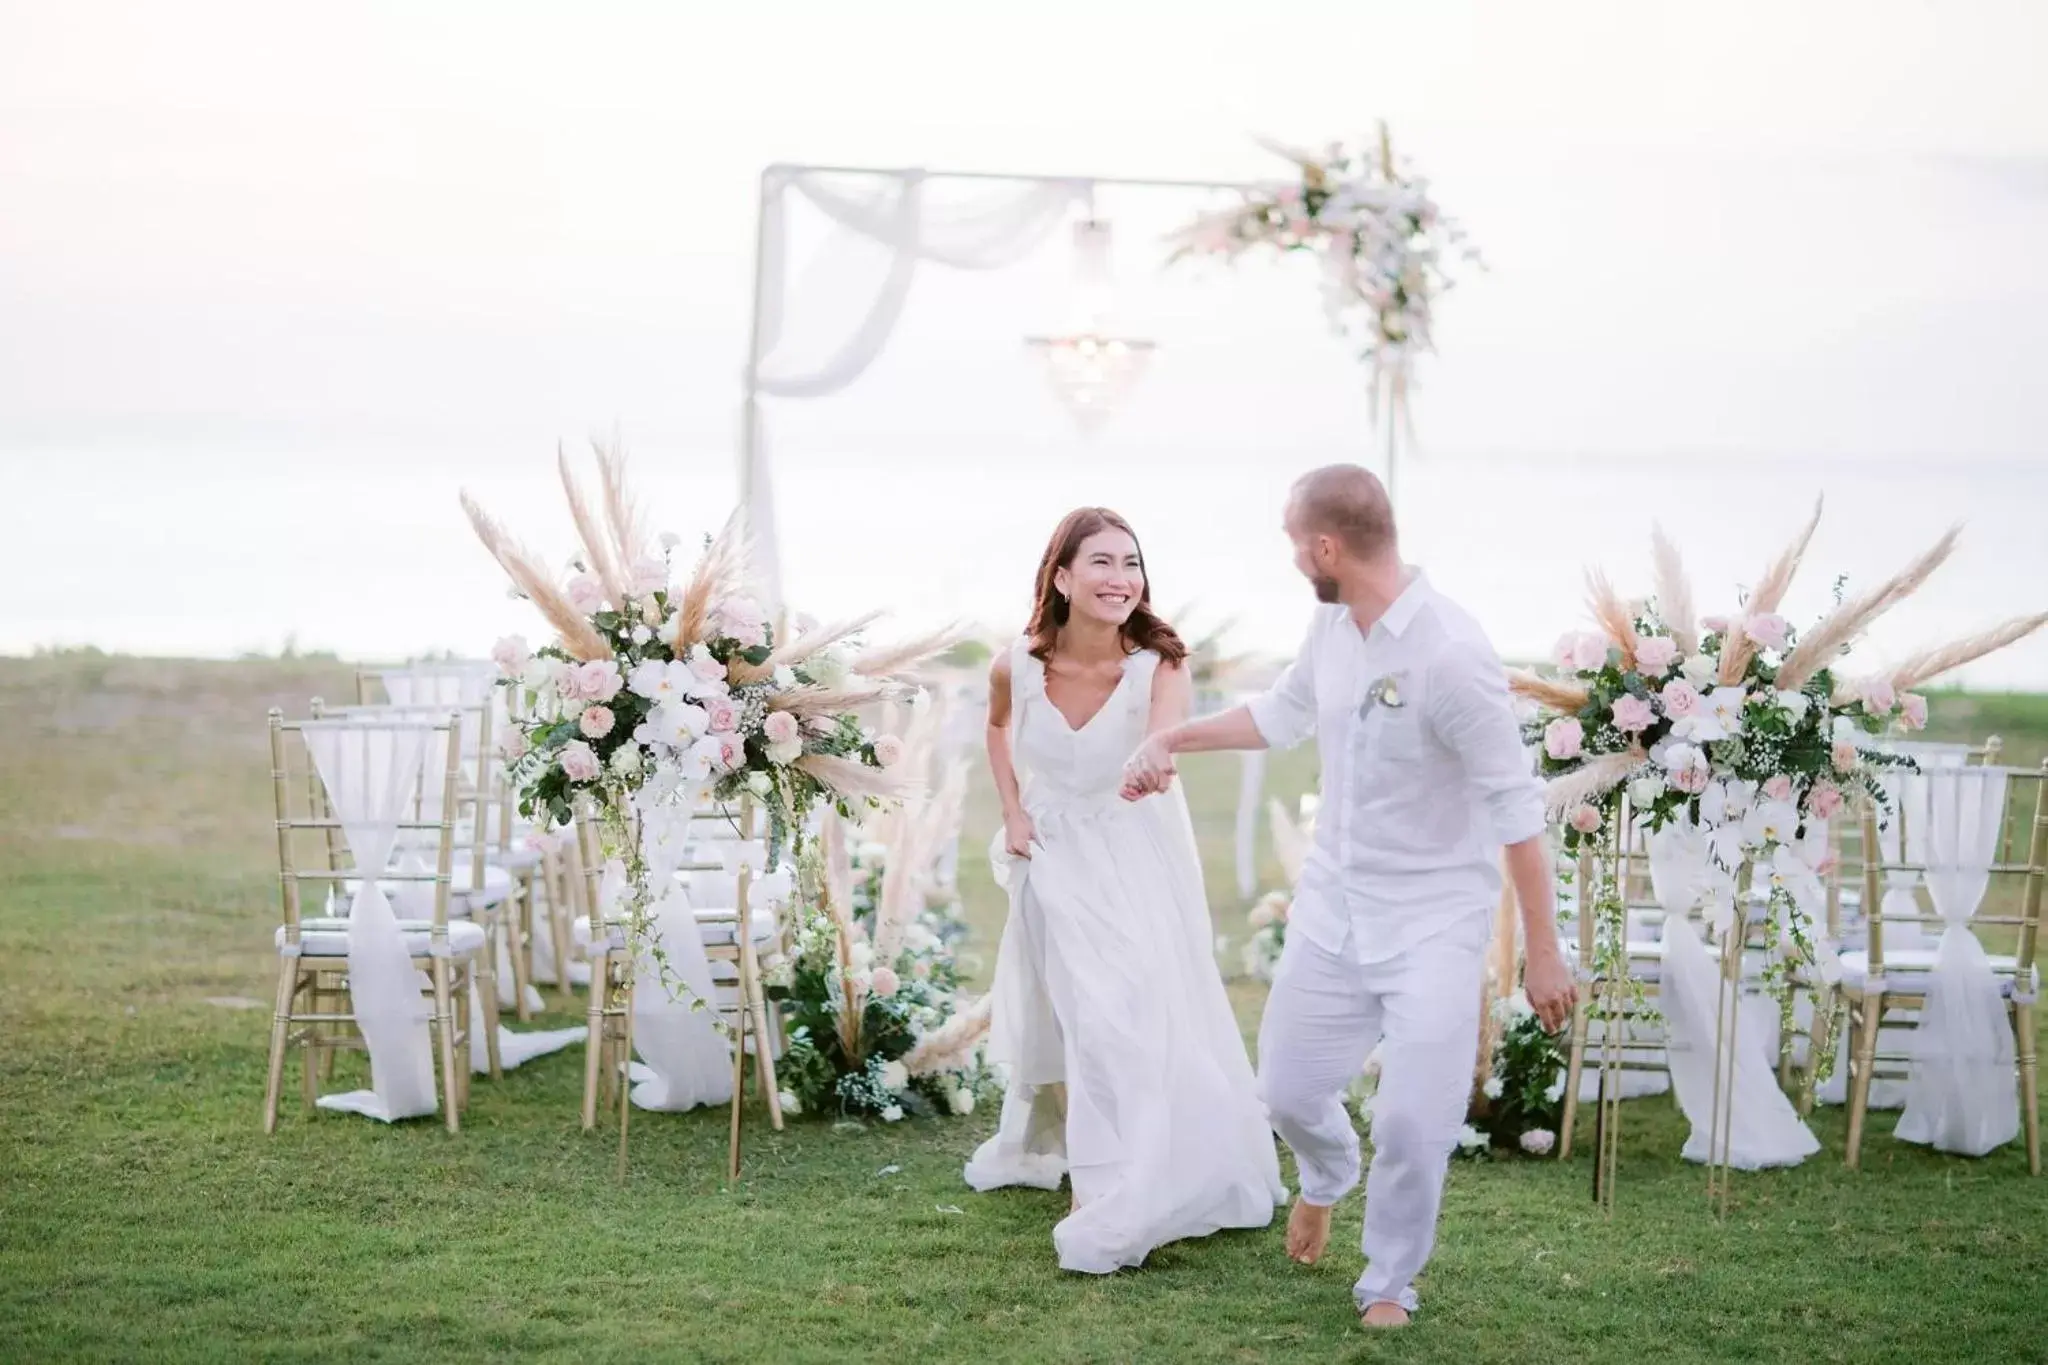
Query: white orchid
column 1719, row 716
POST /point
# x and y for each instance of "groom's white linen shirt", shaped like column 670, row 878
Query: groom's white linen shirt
column 1417, row 798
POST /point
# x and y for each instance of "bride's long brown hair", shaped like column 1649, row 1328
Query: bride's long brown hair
column 1143, row 630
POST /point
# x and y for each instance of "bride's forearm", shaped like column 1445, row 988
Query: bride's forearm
column 1232, row 729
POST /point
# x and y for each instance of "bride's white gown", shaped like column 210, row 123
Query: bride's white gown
column 1127, row 1072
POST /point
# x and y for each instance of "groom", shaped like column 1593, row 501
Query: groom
column 1424, row 782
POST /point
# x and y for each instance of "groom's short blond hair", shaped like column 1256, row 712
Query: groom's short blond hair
column 1349, row 502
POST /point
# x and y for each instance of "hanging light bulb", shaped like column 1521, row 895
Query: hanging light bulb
column 1088, row 365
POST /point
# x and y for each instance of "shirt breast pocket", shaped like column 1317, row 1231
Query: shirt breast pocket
column 1394, row 736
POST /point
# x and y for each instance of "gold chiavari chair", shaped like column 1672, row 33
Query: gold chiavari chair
column 469, row 685
column 1847, row 922
column 738, row 962
column 1888, row 989
column 479, row 892
column 313, row 1011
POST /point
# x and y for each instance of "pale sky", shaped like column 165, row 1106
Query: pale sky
column 276, row 279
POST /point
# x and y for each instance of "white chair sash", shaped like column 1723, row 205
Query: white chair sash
column 1960, row 1091
column 370, row 773
column 1764, row 1129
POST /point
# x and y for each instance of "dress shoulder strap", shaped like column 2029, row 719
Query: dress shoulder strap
column 1027, row 674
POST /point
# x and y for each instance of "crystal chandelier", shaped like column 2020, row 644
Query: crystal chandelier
column 1088, row 366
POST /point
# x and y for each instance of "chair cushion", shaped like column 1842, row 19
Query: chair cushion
column 1906, row 971
column 497, row 883
column 329, row 937
column 716, row 926
column 580, row 932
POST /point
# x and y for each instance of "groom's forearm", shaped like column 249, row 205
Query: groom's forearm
column 1528, row 868
column 1232, row 729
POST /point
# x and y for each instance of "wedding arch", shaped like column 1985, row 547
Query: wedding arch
column 1382, row 239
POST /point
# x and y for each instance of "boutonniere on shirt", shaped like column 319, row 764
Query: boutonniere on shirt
column 1385, row 691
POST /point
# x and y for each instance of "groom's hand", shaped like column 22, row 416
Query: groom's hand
column 1149, row 770
column 1549, row 985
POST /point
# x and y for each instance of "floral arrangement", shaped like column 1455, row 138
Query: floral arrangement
column 1383, row 241
column 1268, row 916
column 1522, row 1101
column 659, row 692
column 877, row 1022
column 1737, row 725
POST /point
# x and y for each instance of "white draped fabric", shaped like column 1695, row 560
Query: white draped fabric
column 1763, row 1128
column 989, row 229
column 370, row 772
column 686, row 1062
column 1960, row 1094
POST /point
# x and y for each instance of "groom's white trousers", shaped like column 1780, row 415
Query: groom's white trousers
column 1324, row 1016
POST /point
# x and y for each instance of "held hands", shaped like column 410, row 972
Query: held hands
column 1149, row 770
column 1018, row 834
column 1549, row 985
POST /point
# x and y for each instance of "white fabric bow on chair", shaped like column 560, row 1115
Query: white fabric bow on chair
column 1960, row 1093
column 371, row 773
column 1764, row 1129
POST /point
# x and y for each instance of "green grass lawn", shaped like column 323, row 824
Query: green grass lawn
column 143, row 1214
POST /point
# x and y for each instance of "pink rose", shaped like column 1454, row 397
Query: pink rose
column 513, row 744
column 1844, row 755
column 741, row 618
column 541, row 842
column 1828, row 865
column 705, row 666
column 1655, row 655
column 596, row 722
column 721, row 716
column 510, row 655
column 781, row 728
column 1563, row 738
column 1715, row 625
column 888, row 751
column 1680, row 698
column 647, row 577
column 586, row 594
column 1779, row 788
column 1767, row 630
column 1824, row 801
column 884, row 981
column 1632, row 715
column 1913, row 711
column 1585, row 819
column 1561, row 652
column 1589, row 653
column 598, row 680
column 1878, row 696
column 1693, row 780
column 723, row 752
column 579, row 761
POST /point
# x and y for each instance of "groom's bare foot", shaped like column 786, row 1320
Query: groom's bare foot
column 1384, row 1313
column 1308, row 1232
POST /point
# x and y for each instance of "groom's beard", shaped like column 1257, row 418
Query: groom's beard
column 1326, row 589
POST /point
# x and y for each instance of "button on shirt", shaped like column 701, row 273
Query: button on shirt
column 1425, row 775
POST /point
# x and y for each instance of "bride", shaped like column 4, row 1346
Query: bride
column 1127, row 1073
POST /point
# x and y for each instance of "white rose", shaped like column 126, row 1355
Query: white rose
column 1262, row 915
column 828, row 668
column 1645, row 790
column 1471, row 1139
column 1538, row 1141
column 895, row 1076
column 785, row 676
column 782, row 755
column 1493, row 1088
column 1700, row 670
column 961, row 1101
column 641, row 635
column 759, row 783
column 536, row 675
column 861, row 954
column 626, row 760
column 1793, row 704
column 790, row 1107
column 892, row 1114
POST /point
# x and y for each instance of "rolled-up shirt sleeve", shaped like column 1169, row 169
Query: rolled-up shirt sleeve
column 1472, row 713
column 1285, row 713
